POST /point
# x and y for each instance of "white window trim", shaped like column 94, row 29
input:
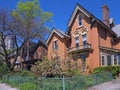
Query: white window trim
column 112, row 60
column 81, row 20
column 104, row 61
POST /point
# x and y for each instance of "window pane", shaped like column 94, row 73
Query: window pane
column 119, row 59
column 84, row 43
column 109, row 60
column 77, row 45
column 84, row 37
column 80, row 21
column 76, row 39
column 115, row 59
column 55, row 46
column 102, row 60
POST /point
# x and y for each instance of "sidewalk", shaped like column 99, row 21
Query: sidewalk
column 6, row 87
column 112, row 85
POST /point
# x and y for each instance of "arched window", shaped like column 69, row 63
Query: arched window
column 80, row 20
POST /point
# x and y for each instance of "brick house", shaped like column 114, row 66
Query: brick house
column 87, row 39
column 36, row 52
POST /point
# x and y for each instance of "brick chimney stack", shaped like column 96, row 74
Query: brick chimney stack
column 105, row 14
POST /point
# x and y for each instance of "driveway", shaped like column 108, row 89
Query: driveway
column 112, row 85
column 6, row 87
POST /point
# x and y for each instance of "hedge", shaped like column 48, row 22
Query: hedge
column 115, row 70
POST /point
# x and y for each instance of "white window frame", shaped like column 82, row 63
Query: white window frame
column 105, row 61
column 76, row 40
column 113, row 60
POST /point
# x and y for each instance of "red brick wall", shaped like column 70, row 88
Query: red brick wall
column 61, row 52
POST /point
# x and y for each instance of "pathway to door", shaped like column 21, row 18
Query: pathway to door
column 6, row 87
column 112, row 85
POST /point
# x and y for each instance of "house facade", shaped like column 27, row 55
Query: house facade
column 87, row 39
column 37, row 51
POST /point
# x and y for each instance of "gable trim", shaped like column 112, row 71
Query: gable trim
column 88, row 14
column 78, row 7
column 58, row 33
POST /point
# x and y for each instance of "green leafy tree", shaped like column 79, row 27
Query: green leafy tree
column 30, row 20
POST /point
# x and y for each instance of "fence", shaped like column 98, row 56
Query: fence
column 41, row 83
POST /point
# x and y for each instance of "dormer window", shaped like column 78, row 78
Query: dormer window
column 80, row 21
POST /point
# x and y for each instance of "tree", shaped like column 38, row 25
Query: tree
column 71, row 67
column 6, row 30
column 30, row 19
column 47, row 67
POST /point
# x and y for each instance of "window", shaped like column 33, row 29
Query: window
column 80, row 20
column 109, row 61
column 55, row 45
column 84, row 39
column 37, row 55
column 119, row 59
column 115, row 59
column 77, row 42
column 102, row 60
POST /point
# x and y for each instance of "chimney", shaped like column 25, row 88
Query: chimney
column 105, row 13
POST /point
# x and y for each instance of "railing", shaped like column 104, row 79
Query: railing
column 80, row 47
column 71, row 83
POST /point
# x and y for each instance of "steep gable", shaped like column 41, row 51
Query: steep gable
column 92, row 18
column 60, row 33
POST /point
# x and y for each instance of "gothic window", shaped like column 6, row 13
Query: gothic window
column 80, row 21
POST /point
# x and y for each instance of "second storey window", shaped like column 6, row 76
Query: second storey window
column 55, row 45
column 77, row 42
column 84, row 39
column 80, row 21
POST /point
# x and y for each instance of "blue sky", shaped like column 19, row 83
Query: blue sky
column 62, row 9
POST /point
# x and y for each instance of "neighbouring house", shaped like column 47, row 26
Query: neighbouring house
column 36, row 52
column 89, row 41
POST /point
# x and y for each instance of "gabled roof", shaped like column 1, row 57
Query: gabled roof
column 60, row 33
column 116, row 29
column 82, row 9
column 32, row 48
column 77, row 8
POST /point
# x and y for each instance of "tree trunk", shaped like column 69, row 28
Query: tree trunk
column 27, row 57
column 16, row 55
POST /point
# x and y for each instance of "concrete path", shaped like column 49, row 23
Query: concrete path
column 112, row 85
column 6, row 87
